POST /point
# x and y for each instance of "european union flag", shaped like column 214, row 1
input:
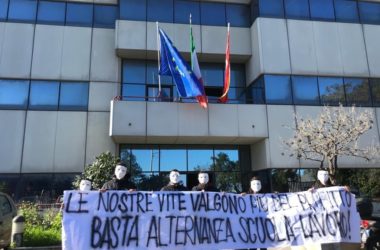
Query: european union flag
column 171, row 63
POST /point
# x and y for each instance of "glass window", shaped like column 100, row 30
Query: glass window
column 183, row 9
column 322, row 9
column 256, row 92
column 346, row 11
column 147, row 159
column 227, row 155
column 171, row 158
column 298, row 9
column 133, row 10
column 237, row 75
column 277, row 89
column 160, row 11
column 271, row 8
column 105, row 16
column 22, row 10
column 369, row 12
column 235, row 95
column 3, row 9
column 213, row 14
column 154, row 94
column 74, row 96
column 134, row 71
column 79, row 14
column 357, row 91
column 331, row 90
column 51, row 12
column 238, row 15
column 44, row 95
column 152, row 74
column 5, row 206
column 200, row 159
column 14, row 94
column 212, row 74
column 305, row 90
column 133, row 92
column 375, row 91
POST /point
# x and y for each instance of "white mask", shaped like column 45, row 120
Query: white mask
column 256, row 186
column 323, row 176
column 203, row 178
column 85, row 185
column 174, row 177
column 120, row 172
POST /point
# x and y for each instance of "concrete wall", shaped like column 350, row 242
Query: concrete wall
column 210, row 41
column 179, row 123
column 313, row 48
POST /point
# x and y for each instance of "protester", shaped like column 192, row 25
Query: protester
column 323, row 180
column 120, row 181
column 174, row 184
column 255, row 186
column 85, row 185
column 204, row 183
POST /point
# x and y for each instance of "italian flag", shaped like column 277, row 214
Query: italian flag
column 202, row 99
column 227, row 70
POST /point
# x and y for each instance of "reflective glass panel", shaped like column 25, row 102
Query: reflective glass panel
column 152, row 181
column 155, row 96
column 256, row 92
column 213, row 13
column 238, row 15
column 133, row 10
column 183, row 9
column 133, row 92
column 3, row 9
column 237, row 75
column 357, row 91
column 22, row 10
column 346, row 11
column 226, row 160
column 369, row 12
column 331, row 90
column 228, row 182
column 134, row 71
column 51, row 12
column 147, row 159
column 73, row 96
column 277, row 89
column 172, row 159
column 14, row 94
column 375, row 91
column 212, row 74
column 105, row 16
column 200, row 159
column 235, row 95
column 322, row 9
column 305, row 90
column 44, row 95
column 160, row 11
column 79, row 14
column 271, row 8
column 297, row 9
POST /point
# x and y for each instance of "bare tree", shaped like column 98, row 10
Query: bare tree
column 334, row 133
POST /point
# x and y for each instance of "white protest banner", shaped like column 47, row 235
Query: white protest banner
column 196, row 220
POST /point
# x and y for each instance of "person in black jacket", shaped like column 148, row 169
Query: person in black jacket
column 120, row 180
column 255, row 186
column 174, row 184
column 323, row 180
column 204, row 184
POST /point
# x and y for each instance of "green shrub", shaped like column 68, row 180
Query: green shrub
column 42, row 228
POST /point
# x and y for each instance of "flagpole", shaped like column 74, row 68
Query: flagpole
column 158, row 60
column 191, row 59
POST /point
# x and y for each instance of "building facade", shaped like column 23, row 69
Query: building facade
column 62, row 63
